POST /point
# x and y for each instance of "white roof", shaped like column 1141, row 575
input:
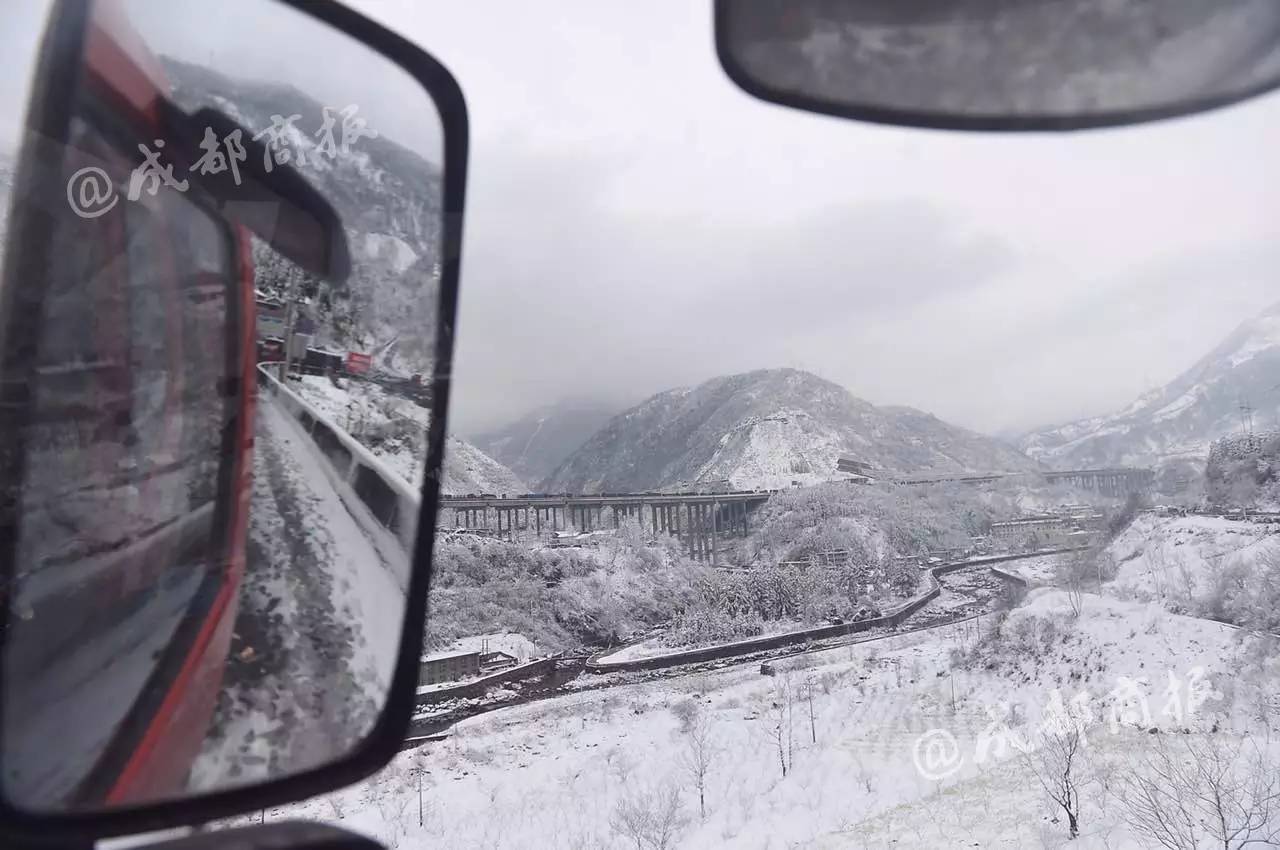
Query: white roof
column 444, row 656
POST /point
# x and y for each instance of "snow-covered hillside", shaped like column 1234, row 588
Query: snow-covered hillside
column 1178, row 421
column 767, row 429
column 469, row 470
column 595, row 768
column 394, row 428
column 1181, row 561
column 389, row 200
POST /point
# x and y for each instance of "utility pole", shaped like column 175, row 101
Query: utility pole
column 291, row 321
column 1246, row 416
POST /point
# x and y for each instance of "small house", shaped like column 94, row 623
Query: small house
column 448, row 667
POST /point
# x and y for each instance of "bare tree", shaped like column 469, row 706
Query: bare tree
column 808, row 692
column 779, row 737
column 1203, row 793
column 652, row 819
column 1072, row 574
column 787, row 702
column 419, row 767
column 779, row 716
column 1056, row 766
column 631, row 819
column 698, row 755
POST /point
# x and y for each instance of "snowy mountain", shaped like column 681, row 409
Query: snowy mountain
column 767, row 429
column 469, row 470
column 536, row 443
column 389, row 198
column 1177, row 422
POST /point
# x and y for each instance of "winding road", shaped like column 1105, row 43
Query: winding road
column 966, row 594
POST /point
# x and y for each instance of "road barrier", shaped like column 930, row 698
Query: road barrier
column 381, row 498
column 599, row 662
column 477, row 687
column 1268, row 517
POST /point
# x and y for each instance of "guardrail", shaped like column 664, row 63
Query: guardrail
column 477, row 687
column 388, row 499
column 1219, row 513
column 597, row 664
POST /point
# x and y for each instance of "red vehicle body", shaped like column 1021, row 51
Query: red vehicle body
column 162, row 757
column 146, row 367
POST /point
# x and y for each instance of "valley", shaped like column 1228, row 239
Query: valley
column 744, row 620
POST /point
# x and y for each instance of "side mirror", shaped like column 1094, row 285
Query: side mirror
column 1000, row 65
column 212, row 587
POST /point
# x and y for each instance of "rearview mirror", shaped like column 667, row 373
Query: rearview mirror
column 1001, row 64
column 221, row 239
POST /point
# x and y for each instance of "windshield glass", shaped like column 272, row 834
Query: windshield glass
column 867, row 487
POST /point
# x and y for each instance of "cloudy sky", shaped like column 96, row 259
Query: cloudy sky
column 636, row 223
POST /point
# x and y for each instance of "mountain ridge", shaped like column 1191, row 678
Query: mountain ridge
column 768, row 428
column 1177, row 422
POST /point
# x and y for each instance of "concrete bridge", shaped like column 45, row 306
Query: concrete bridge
column 1120, row 481
column 700, row 520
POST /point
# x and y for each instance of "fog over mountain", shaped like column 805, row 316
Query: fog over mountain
column 1234, row 387
column 767, row 429
column 536, row 443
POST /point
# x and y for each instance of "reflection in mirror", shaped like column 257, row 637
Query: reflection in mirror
column 206, row 586
column 1065, row 60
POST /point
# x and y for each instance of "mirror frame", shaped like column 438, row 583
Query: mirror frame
column 1029, row 123
column 48, row 116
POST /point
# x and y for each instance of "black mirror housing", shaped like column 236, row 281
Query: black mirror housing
column 291, row 216
column 996, row 66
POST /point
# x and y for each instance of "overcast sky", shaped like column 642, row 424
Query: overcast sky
column 636, row 223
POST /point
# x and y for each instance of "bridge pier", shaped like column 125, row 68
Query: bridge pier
column 698, row 520
column 715, row 532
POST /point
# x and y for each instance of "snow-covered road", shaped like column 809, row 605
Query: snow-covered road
column 319, row 621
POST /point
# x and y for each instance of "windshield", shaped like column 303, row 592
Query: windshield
column 868, row 487
column 807, row 483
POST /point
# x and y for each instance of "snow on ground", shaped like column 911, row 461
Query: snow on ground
column 469, row 470
column 368, row 411
column 516, row 645
column 1037, row 571
column 392, row 250
column 568, row 772
column 654, row 646
column 357, row 403
column 319, row 621
column 1174, row 559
